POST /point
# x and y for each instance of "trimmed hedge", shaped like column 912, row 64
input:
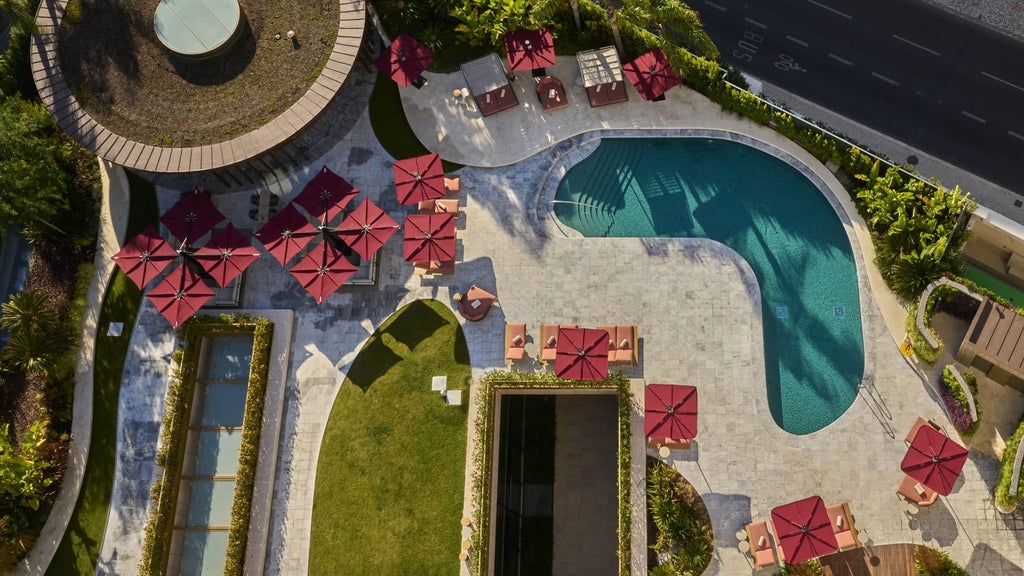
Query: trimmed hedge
column 956, row 401
column 1005, row 500
column 921, row 346
column 180, row 392
column 483, row 456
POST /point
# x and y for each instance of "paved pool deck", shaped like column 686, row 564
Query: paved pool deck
column 696, row 303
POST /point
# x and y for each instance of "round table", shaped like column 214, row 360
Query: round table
column 665, row 452
column 744, row 546
column 741, row 535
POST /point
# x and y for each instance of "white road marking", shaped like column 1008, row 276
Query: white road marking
column 831, row 9
column 1007, row 82
column 919, row 93
column 916, row 45
column 797, row 41
column 756, row 23
column 885, row 79
column 973, row 117
column 840, row 59
column 715, row 6
column 1015, row 135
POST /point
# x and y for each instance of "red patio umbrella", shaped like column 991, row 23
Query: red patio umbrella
column 934, row 460
column 286, row 234
column 804, row 530
column 419, row 178
column 670, row 411
column 429, row 237
column 366, row 229
column 404, row 60
column 180, row 295
column 226, row 255
column 323, row 271
column 651, row 74
column 528, row 49
column 581, row 354
column 325, row 196
column 144, row 257
column 192, row 216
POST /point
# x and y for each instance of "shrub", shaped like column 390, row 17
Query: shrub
column 956, row 401
column 930, row 561
column 159, row 526
column 1005, row 500
column 682, row 524
column 483, row 472
column 922, row 348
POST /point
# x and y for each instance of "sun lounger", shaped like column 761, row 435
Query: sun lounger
column 916, row 492
column 441, row 206
column 842, row 526
column 917, row 426
column 549, row 341
column 622, row 344
column 453, row 185
column 515, row 342
column 433, row 267
column 761, row 547
column 672, row 443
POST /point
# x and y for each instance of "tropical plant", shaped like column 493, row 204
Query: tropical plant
column 27, row 311
column 930, row 561
column 31, row 149
column 485, row 22
column 665, row 23
column 682, row 536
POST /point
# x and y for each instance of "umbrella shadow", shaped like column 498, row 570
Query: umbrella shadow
column 374, row 360
column 416, row 326
column 985, row 560
column 937, row 523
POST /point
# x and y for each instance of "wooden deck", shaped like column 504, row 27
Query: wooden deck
column 883, row 560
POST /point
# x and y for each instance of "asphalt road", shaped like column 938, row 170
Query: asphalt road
column 937, row 82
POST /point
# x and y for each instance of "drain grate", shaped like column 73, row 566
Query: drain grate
column 839, row 311
column 782, row 311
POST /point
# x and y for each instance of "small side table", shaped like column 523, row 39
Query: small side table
column 744, row 546
column 741, row 535
column 665, row 452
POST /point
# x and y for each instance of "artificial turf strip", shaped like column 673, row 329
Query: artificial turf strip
column 391, row 471
column 387, row 117
column 80, row 546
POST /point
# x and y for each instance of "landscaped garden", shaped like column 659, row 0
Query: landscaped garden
column 130, row 83
column 391, row 471
column 679, row 527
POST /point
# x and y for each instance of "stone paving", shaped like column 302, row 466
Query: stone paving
column 698, row 309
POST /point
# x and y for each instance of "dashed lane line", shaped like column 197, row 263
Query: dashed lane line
column 715, row 6
column 797, row 41
column 885, row 79
column 831, row 9
column 1000, row 80
column 974, row 117
column 840, row 59
column 1015, row 135
column 916, row 45
column 755, row 23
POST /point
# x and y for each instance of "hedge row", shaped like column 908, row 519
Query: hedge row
column 483, row 456
column 953, row 396
column 174, row 435
column 1005, row 500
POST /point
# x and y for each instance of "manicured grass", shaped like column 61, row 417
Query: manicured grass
column 390, row 476
column 81, row 544
column 390, row 125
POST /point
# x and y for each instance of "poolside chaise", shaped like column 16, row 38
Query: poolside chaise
column 842, row 526
column 916, row 492
column 453, row 185
column 433, row 267
column 761, row 547
column 549, row 341
column 515, row 342
column 671, row 443
column 621, row 344
column 439, row 206
column 917, row 426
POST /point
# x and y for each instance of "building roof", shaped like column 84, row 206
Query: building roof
column 996, row 333
column 600, row 66
column 485, row 74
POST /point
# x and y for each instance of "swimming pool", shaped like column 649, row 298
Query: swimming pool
column 773, row 217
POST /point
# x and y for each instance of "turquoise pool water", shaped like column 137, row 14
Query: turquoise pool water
column 773, row 217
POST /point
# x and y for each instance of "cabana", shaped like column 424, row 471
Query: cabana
column 602, row 76
column 489, row 85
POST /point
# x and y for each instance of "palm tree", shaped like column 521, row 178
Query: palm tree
column 667, row 21
column 27, row 311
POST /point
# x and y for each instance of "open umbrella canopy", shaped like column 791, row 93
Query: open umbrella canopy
column 325, row 196
column 934, row 460
column 192, row 216
column 804, row 530
column 144, row 257
column 529, row 49
column 419, row 178
column 226, row 255
column 366, row 229
column 404, row 60
column 581, row 354
column 286, row 234
column 670, row 411
column 323, row 271
column 651, row 74
column 181, row 294
column 429, row 237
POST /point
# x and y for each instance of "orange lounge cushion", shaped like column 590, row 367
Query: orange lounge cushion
column 515, row 353
column 846, row 539
column 764, row 557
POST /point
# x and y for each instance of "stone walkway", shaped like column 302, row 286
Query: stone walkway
column 698, row 308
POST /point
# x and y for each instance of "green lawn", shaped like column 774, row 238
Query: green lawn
column 80, row 546
column 390, row 125
column 390, row 476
